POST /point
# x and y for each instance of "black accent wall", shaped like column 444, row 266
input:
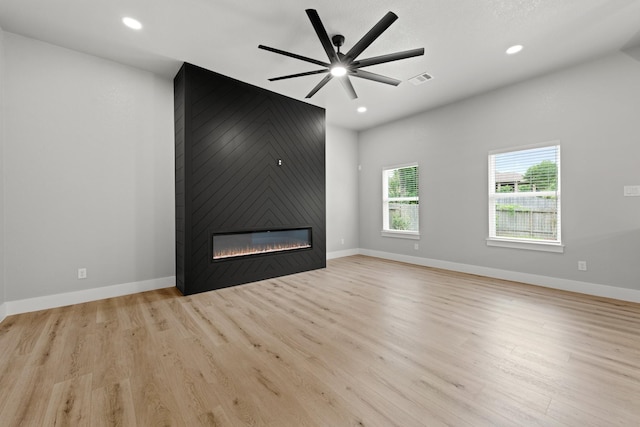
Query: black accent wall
column 230, row 138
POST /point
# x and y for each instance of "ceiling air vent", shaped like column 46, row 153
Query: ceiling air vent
column 420, row 78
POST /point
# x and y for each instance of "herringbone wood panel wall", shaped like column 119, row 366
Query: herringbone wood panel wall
column 230, row 137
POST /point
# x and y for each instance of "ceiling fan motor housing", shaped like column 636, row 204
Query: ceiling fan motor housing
column 338, row 41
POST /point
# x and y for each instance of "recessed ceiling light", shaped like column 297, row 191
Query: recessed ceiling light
column 132, row 23
column 338, row 71
column 362, row 109
column 514, row 49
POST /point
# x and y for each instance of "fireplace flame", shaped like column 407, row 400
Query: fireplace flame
column 259, row 249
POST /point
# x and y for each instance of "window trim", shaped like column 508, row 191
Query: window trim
column 532, row 245
column 402, row 234
column 522, row 243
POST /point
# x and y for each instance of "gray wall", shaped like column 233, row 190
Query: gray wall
column 591, row 109
column 89, row 173
column 342, row 189
column 2, row 127
column 88, row 167
column 87, row 164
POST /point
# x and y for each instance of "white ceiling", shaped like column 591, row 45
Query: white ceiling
column 465, row 41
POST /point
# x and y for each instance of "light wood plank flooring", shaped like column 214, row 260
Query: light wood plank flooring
column 365, row 342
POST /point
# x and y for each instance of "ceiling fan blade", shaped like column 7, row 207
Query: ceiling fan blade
column 319, row 86
column 293, row 55
column 370, row 37
column 290, row 76
column 346, row 84
column 387, row 58
column 322, row 35
column 375, row 77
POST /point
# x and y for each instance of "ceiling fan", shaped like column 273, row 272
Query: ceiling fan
column 344, row 65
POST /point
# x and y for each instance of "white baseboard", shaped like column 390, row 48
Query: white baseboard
column 77, row 297
column 342, row 254
column 59, row 300
column 594, row 289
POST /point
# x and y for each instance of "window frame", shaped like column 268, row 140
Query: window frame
column 493, row 196
column 403, row 234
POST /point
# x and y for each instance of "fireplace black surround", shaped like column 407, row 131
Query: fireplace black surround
column 250, row 164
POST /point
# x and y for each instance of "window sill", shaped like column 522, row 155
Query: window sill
column 401, row 234
column 526, row 245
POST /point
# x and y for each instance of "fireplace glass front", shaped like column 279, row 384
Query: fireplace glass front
column 239, row 244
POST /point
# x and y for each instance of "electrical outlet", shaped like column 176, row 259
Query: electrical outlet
column 582, row 265
column 342, row 241
column 416, row 246
column 82, row 273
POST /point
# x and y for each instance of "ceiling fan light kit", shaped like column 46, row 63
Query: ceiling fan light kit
column 338, row 71
column 345, row 65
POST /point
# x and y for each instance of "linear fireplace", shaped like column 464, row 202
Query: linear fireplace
column 250, row 183
column 241, row 244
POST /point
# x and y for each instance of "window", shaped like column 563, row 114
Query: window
column 524, row 198
column 400, row 203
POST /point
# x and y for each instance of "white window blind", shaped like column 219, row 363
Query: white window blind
column 524, row 195
column 400, row 199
